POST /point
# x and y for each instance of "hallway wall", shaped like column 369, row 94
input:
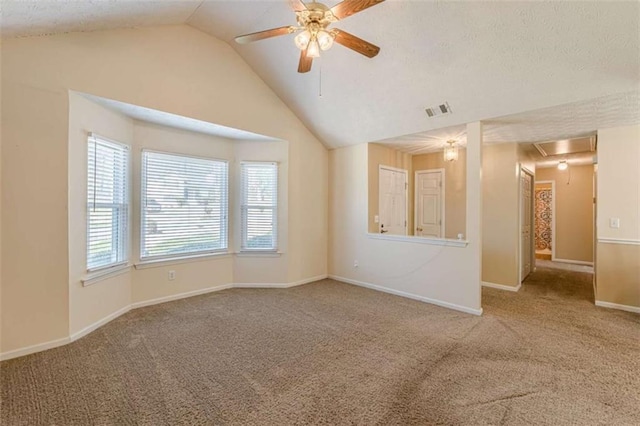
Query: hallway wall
column 573, row 211
column 618, row 249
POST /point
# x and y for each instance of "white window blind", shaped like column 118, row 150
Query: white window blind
column 184, row 205
column 259, row 206
column 107, row 203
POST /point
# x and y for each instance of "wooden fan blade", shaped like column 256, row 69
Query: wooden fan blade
column 297, row 5
column 261, row 35
column 351, row 7
column 305, row 62
column 354, row 43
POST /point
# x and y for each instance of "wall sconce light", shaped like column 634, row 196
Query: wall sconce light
column 563, row 165
column 451, row 151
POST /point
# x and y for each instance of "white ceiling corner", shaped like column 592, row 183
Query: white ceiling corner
column 175, row 121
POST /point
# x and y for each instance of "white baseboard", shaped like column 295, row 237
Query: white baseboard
column 628, row 308
column 75, row 336
column 575, row 262
column 501, row 286
column 408, row 295
column 180, row 296
column 260, row 285
column 34, row 348
column 280, row 285
column 309, row 280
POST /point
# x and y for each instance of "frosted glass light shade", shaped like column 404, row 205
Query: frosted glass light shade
column 325, row 40
column 313, row 51
column 302, row 40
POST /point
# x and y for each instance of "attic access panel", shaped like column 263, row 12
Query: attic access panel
column 566, row 146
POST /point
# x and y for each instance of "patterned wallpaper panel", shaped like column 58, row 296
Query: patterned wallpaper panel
column 543, row 219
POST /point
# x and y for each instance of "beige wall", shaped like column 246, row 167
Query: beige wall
column 172, row 68
column 405, row 266
column 500, row 215
column 92, row 303
column 380, row 155
column 618, row 249
column 152, row 283
column 455, row 192
column 573, row 211
column 35, row 275
column 0, row 197
column 618, row 274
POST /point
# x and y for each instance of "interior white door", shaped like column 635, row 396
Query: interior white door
column 526, row 182
column 393, row 201
column 429, row 204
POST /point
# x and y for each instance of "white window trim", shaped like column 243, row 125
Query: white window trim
column 105, row 273
column 99, row 271
column 260, row 252
column 176, row 260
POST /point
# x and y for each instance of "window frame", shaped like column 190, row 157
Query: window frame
column 124, row 220
column 224, row 203
column 244, row 206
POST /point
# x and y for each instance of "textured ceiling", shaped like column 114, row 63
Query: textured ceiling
column 30, row 17
column 576, row 119
column 487, row 59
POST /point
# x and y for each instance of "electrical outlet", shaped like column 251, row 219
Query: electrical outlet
column 355, row 263
column 172, row 275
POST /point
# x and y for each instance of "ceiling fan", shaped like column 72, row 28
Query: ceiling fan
column 313, row 22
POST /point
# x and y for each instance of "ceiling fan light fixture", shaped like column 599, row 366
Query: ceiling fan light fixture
column 302, row 40
column 563, row 165
column 325, row 39
column 313, row 32
column 313, row 50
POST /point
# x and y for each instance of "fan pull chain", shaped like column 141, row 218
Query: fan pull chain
column 320, row 85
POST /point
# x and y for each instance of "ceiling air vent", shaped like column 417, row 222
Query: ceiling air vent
column 438, row 110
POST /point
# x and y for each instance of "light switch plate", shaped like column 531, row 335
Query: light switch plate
column 614, row 222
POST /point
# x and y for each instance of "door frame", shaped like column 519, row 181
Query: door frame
column 442, row 198
column 532, row 261
column 553, row 215
column 406, row 194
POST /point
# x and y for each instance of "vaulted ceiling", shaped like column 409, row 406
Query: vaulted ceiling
column 487, row 59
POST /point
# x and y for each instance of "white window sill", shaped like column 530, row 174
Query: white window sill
column 420, row 240
column 259, row 253
column 156, row 263
column 95, row 277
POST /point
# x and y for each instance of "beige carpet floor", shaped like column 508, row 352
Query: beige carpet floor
column 334, row 354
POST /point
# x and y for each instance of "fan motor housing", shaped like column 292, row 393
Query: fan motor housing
column 316, row 13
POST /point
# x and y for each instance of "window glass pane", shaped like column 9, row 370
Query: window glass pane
column 259, row 211
column 107, row 203
column 184, row 205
